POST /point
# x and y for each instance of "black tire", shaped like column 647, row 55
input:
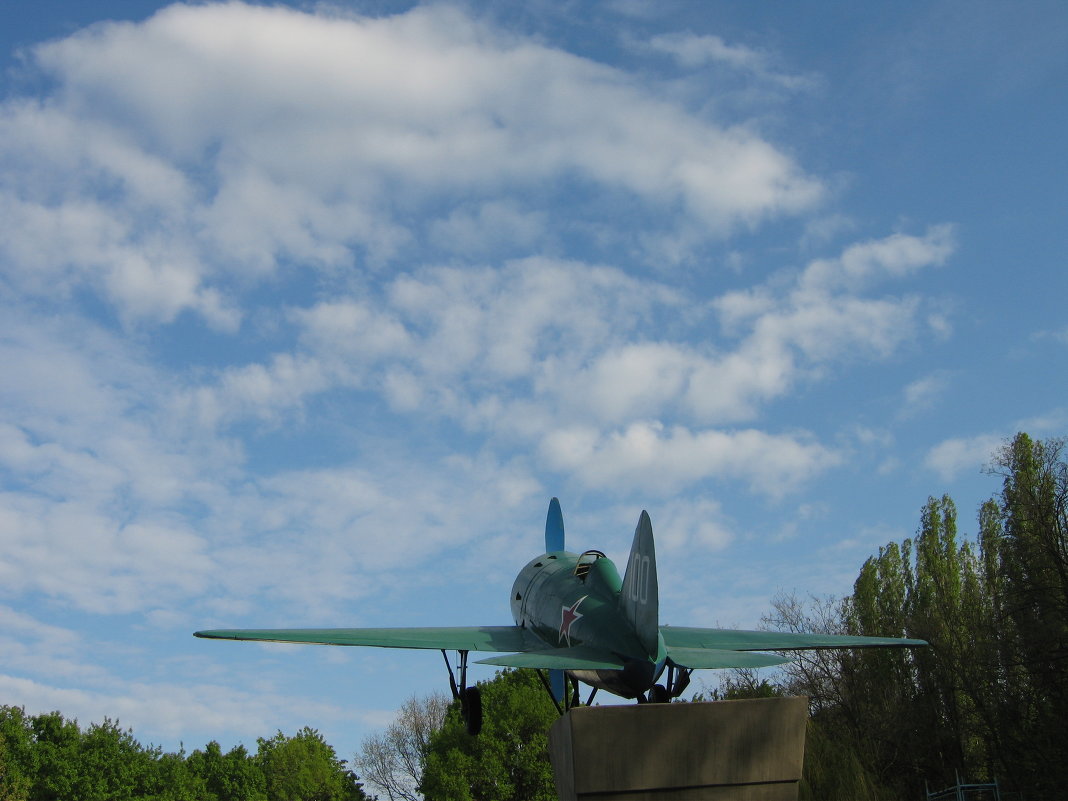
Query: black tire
column 471, row 707
column 658, row 694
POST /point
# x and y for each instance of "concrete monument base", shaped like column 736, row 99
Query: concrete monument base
column 748, row 750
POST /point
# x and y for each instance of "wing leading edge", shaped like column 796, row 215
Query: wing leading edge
column 459, row 638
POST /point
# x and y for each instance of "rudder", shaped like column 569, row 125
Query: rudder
column 639, row 598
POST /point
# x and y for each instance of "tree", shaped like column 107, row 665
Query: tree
column 305, row 768
column 111, row 764
column 55, row 745
column 509, row 759
column 1025, row 557
column 840, row 742
column 234, row 776
column 176, row 781
column 49, row 758
column 17, row 758
column 394, row 761
column 989, row 697
column 13, row 785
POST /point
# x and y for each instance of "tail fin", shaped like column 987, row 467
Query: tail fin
column 554, row 541
column 639, row 598
column 554, row 528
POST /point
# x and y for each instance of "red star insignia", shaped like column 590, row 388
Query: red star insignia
column 568, row 616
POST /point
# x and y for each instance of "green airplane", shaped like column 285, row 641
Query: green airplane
column 578, row 622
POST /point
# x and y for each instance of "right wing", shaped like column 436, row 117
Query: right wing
column 738, row 640
column 459, row 638
column 713, row 658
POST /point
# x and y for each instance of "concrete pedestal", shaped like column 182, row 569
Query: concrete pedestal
column 748, row 750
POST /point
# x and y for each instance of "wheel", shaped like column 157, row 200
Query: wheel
column 658, row 694
column 471, row 709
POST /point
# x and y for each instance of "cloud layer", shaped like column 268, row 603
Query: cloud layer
column 296, row 305
column 251, row 139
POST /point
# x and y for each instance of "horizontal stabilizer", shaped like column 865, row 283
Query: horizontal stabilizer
column 463, row 638
column 578, row 657
column 710, row 658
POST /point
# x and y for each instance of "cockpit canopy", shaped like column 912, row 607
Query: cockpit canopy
column 585, row 562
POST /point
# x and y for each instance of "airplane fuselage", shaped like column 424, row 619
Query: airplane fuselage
column 569, row 600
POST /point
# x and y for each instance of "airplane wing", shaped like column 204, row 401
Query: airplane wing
column 676, row 637
column 463, row 638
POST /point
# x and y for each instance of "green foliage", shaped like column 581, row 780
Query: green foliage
column 17, row 757
column 305, row 768
column 989, row 697
column 234, row 775
column 49, row 758
column 509, row 759
column 834, row 770
column 738, row 685
column 112, row 765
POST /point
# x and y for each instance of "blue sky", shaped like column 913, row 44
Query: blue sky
column 308, row 310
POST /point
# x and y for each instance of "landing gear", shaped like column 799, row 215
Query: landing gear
column 570, row 694
column 678, row 679
column 471, row 710
column 469, row 697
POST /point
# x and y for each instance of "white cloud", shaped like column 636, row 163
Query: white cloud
column 1057, row 335
column 252, row 137
column 489, row 228
column 686, row 526
column 924, row 392
column 894, row 256
column 694, row 51
column 540, row 346
column 393, row 116
column 952, row 457
column 115, row 502
column 654, row 457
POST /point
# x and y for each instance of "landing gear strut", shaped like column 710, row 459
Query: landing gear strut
column 469, row 697
column 678, row 679
column 571, row 692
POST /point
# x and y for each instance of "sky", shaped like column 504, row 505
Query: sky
column 307, row 310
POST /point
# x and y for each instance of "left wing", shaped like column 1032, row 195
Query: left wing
column 463, row 638
column 737, row 640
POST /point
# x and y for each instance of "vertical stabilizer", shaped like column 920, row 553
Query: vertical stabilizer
column 554, row 541
column 639, row 598
column 554, row 528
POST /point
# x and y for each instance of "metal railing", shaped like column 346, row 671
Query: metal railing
column 964, row 791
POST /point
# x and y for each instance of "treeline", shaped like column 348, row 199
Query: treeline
column 49, row 758
column 989, row 698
